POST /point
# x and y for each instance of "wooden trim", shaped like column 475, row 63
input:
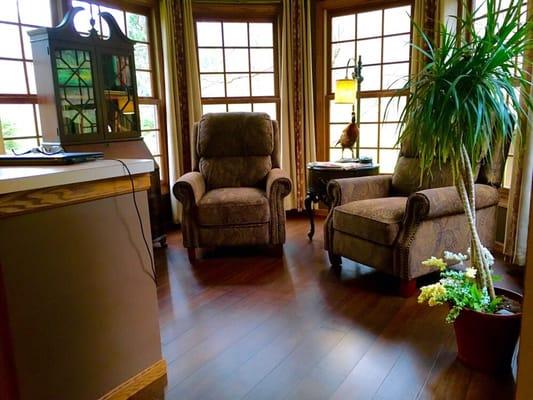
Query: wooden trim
column 8, row 375
column 498, row 247
column 137, row 382
column 41, row 199
column 504, row 197
column 235, row 12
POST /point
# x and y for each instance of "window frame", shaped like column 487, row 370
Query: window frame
column 325, row 11
column 205, row 12
column 509, row 163
column 27, row 98
column 150, row 9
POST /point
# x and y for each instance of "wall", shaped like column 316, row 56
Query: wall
column 525, row 358
column 81, row 299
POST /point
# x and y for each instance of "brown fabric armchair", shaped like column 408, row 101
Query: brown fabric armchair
column 393, row 223
column 234, row 195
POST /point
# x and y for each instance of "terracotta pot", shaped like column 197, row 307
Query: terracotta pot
column 486, row 342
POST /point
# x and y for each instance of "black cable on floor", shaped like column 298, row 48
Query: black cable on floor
column 152, row 262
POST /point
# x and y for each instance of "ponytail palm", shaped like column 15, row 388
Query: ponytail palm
column 466, row 99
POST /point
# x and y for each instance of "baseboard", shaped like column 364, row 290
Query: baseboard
column 137, row 382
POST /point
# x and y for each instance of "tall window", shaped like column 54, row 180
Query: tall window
column 237, row 63
column 19, row 112
column 381, row 37
column 481, row 20
column 136, row 26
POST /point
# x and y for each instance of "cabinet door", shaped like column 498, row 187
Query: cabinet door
column 121, row 119
column 78, row 116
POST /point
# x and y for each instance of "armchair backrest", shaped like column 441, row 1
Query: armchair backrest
column 235, row 149
column 406, row 176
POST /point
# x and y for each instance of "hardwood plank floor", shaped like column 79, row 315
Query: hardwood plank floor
column 245, row 325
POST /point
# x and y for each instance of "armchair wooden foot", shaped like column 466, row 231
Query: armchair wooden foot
column 334, row 259
column 407, row 287
column 277, row 250
column 191, row 253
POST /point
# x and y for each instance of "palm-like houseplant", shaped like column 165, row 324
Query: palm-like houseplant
column 471, row 94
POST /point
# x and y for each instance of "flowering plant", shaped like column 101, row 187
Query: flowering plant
column 458, row 287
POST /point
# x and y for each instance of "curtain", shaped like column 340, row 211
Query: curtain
column 517, row 219
column 182, row 90
column 169, row 17
column 297, row 96
column 192, row 76
column 516, row 227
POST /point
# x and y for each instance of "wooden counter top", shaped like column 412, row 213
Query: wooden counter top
column 30, row 189
column 19, row 178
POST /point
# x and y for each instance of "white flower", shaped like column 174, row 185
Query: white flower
column 454, row 258
column 487, row 255
column 471, row 273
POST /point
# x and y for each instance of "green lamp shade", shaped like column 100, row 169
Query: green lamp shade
column 345, row 91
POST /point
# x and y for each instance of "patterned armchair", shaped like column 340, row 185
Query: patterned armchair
column 394, row 222
column 234, row 195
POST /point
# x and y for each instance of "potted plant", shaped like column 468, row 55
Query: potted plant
column 466, row 99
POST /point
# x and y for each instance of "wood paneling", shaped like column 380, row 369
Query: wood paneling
column 244, row 325
column 32, row 200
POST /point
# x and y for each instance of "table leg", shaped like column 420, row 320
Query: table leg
column 309, row 209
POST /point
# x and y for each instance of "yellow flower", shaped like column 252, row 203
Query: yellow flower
column 471, row 273
column 434, row 294
column 435, row 262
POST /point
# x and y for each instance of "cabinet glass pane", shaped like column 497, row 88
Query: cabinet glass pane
column 119, row 94
column 76, row 91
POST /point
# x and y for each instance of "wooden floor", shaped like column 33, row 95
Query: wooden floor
column 249, row 326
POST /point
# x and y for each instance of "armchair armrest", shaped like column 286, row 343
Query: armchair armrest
column 278, row 186
column 278, row 183
column 189, row 188
column 440, row 202
column 342, row 191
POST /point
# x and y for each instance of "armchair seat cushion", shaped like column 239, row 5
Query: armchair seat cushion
column 376, row 220
column 233, row 206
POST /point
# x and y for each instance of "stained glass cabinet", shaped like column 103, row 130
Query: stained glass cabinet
column 92, row 96
column 88, row 96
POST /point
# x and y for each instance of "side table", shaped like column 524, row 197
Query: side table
column 318, row 176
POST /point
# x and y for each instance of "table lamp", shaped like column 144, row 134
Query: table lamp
column 347, row 92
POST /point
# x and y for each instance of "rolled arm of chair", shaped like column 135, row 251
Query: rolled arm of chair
column 440, row 202
column 342, row 191
column 189, row 189
column 278, row 184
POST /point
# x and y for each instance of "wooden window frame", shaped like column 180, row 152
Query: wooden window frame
column 325, row 11
column 209, row 12
column 150, row 9
column 504, row 191
column 27, row 98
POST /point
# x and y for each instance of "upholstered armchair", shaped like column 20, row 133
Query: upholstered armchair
column 234, row 194
column 394, row 222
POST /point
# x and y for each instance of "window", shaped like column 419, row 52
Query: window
column 480, row 23
column 136, row 25
column 237, row 64
column 381, row 37
column 19, row 112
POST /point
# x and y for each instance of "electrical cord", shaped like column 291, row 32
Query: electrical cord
column 152, row 262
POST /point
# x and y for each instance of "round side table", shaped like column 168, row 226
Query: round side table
column 318, row 176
